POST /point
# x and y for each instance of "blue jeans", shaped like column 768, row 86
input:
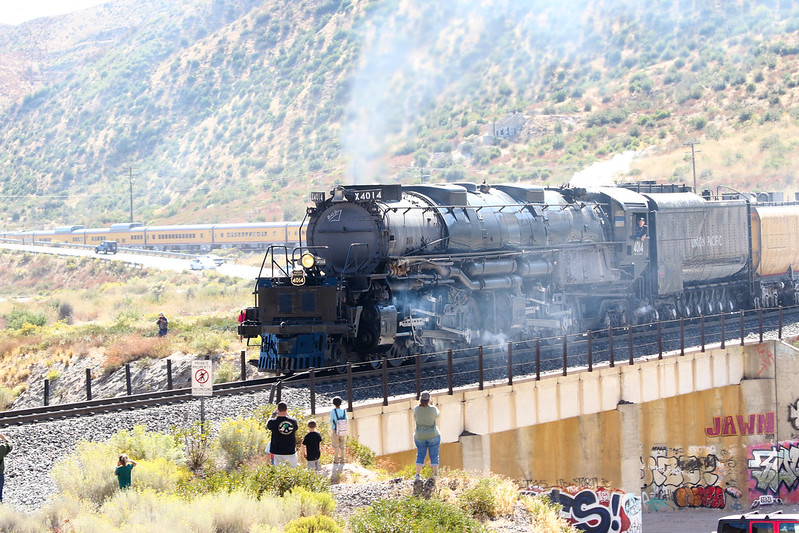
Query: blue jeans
column 423, row 446
column 2, row 482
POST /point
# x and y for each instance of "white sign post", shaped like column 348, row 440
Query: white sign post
column 202, row 384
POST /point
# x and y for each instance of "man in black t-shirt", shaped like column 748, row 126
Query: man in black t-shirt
column 311, row 444
column 283, row 445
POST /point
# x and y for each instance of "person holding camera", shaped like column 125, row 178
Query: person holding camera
column 123, row 471
column 283, row 445
column 426, row 437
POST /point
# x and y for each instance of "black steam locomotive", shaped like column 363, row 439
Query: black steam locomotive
column 391, row 270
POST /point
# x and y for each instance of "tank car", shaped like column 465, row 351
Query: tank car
column 392, row 270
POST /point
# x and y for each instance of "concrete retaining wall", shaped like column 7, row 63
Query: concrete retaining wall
column 699, row 430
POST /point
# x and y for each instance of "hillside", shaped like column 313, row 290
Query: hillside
column 234, row 110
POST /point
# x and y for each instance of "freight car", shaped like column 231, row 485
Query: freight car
column 392, row 270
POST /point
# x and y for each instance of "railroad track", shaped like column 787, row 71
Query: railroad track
column 372, row 380
column 122, row 403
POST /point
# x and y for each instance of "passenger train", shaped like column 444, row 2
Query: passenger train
column 193, row 237
column 391, row 270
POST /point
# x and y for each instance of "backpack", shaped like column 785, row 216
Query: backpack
column 341, row 424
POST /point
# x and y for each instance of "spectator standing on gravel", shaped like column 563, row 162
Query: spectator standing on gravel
column 283, row 445
column 163, row 325
column 5, row 448
column 426, row 437
column 123, row 471
column 311, row 444
column 338, row 434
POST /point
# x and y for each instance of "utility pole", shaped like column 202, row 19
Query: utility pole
column 693, row 159
column 130, row 179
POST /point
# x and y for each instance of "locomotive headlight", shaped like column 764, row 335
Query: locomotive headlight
column 308, row 260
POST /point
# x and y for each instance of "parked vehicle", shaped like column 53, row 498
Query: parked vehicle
column 757, row 522
column 106, row 247
column 202, row 263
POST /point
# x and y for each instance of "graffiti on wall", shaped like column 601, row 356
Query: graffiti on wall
column 727, row 426
column 773, row 471
column 793, row 414
column 703, row 476
column 596, row 509
column 766, row 360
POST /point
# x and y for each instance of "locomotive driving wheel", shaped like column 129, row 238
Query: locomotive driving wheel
column 339, row 357
column 399, row 352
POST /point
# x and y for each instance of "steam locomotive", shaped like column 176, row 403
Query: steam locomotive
column 392, row 271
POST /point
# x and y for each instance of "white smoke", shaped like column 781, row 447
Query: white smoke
column 414, row 51
column 604, row 173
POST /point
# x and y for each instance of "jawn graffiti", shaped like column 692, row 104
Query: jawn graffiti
column 760, row 424
column 596, row 510
column 774, row 471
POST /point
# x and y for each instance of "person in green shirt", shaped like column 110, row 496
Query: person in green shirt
column 123, row 470
column 426, row 437
column 5, row 448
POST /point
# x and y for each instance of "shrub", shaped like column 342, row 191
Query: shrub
column 209, row 343
column 412, row 515
column 226, row 372
column 17, row 318
column 489, row 497
column 196, row 445
column 132, row 348
column 241, row 439
column 545, row 515
column 281, row 479
column 313, row 524
column 85, row 473
column 7, row 397
column 149, row 445
column 364, row 455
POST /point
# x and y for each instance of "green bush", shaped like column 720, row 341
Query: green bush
column 313, row 524
column 413, row 515
column 241, row 439
column 362, row 454
column 148, row 445
column 19, row 317
column 489, row 497
column 282, row 478
column 196, row 444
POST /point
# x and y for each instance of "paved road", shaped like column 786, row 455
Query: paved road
column 696, row 520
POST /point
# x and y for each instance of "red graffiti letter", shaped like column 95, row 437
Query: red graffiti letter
column 716, row 428
column 729, row 426
column 744, row 428
column 765, row 422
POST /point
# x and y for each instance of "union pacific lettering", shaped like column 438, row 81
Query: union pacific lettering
column 709, row 241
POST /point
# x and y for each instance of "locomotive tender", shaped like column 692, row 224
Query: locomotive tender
column 391, row 270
